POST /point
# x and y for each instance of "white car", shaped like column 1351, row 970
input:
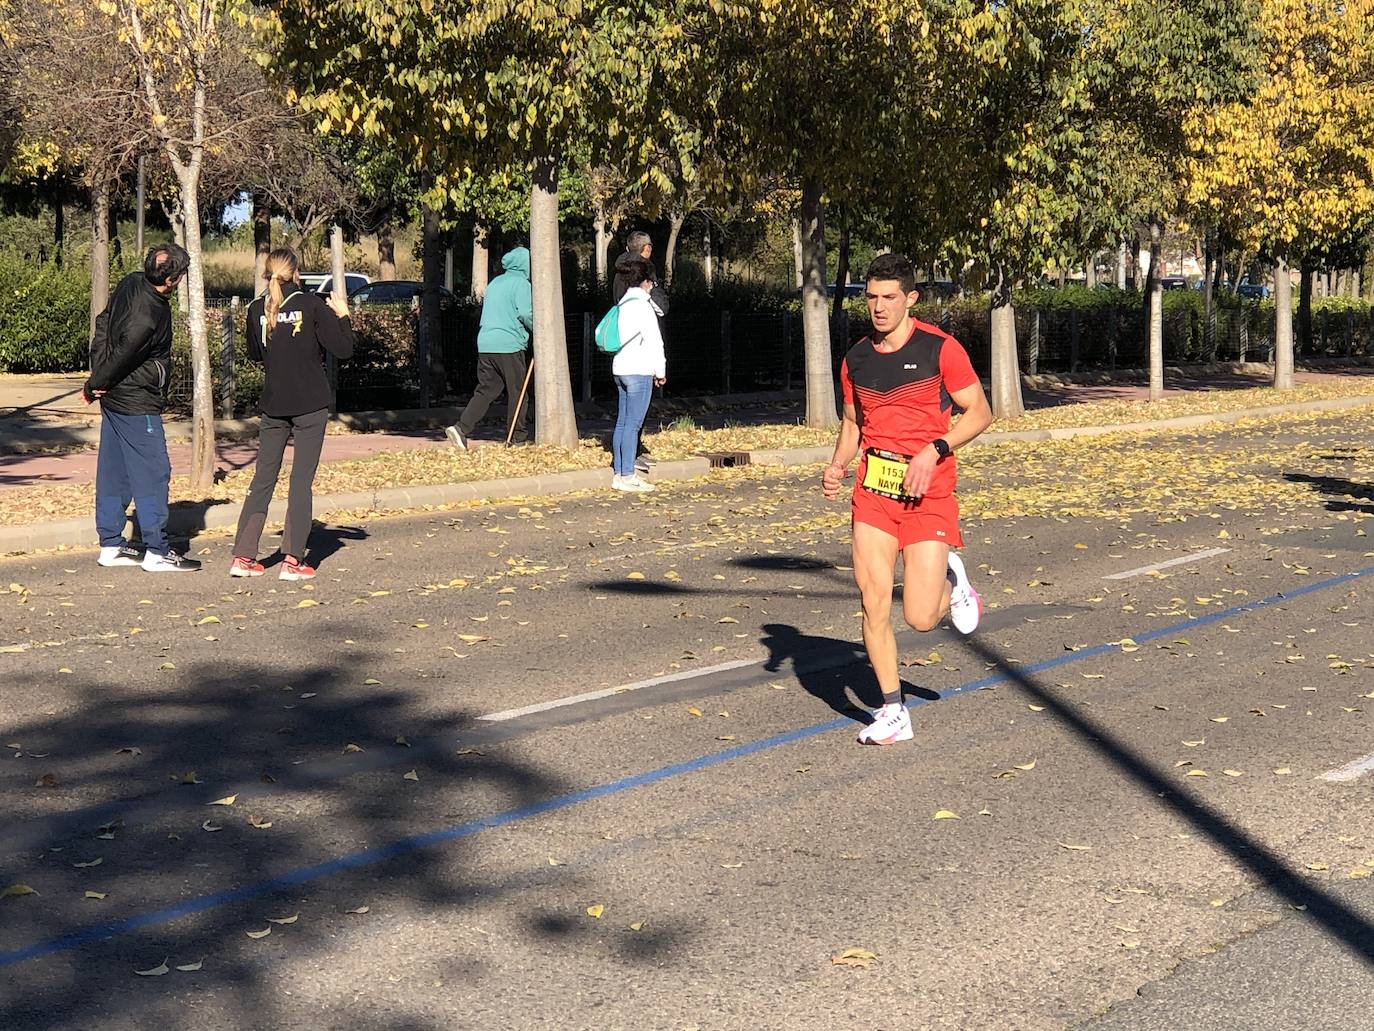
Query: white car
column 323, row 282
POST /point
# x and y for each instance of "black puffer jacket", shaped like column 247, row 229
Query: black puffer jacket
column 131, row 351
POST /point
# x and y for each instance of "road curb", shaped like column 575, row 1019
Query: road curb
column 190, row 519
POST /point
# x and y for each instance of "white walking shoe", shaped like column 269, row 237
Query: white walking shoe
column 123, row 555
column 891, row 723
column 965, row 606
column 455, row 438
column 630, row 484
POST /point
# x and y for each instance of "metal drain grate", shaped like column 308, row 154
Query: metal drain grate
column 726, row 459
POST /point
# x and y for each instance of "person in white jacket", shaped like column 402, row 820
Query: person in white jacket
column 638, row 366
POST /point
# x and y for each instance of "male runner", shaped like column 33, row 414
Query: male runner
column 900, row 385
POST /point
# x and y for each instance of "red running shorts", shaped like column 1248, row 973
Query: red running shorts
column 930, row 519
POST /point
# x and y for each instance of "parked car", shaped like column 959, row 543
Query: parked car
column 398, row 291
column 942, row 288
column 850, row 290
column 323, row 282
column 1173, row 283
column 1252, row 291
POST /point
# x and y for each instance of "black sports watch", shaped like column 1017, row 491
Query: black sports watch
column 942, row 448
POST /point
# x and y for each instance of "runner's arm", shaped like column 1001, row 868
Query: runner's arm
column 976, row 418
column 846, row 447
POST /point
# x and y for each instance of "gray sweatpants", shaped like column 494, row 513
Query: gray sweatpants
column 307, row 432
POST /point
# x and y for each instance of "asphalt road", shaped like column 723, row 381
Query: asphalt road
column 695, row 841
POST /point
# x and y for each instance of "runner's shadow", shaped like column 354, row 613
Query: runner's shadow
column 834, row 671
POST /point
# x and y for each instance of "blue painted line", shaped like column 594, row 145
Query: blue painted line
column 405, row 846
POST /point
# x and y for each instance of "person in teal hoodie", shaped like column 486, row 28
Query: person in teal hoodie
column 504, row 334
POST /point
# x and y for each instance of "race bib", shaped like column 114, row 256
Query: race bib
column 884, row 473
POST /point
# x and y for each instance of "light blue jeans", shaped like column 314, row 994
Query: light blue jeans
column 635, row 392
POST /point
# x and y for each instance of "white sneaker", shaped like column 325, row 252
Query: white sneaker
column 630, row 484
column 891, row 723
column 641, row 483
column 455, row 438
column 123, row 555
column 172, row 562
column 965, row 607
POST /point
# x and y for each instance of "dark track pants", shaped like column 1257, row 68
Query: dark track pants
column 132, row 465
column 307, row 433
column 497, row 372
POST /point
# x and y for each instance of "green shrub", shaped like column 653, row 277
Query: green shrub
column 44, row 316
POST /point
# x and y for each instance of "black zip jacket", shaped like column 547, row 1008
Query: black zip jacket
column 295, row 382
column 131, row 350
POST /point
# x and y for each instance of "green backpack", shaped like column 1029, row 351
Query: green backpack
column 608, row 331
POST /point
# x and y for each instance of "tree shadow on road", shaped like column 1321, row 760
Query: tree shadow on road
column 323, row 824
column 1342, row 495
column 1336, row 918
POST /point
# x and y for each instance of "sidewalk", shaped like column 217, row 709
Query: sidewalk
column 78, row 466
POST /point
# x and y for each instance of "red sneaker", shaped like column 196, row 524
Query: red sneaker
column 246, row 567
column 294, row 569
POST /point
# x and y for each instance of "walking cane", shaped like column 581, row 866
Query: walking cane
column 515, row 416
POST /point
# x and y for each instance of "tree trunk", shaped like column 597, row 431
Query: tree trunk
column 797, row 261
column 338, row 284
column 59, row 232
column 1209, row 335
column 1283, row 324
column 432, row 271
column 448, row 264
column 1090, row 272
column 708, row 265
column 1121, row 266
column 1306, row 273
column 386, row 249
column 675, row 219
column 100, row 249
column 481, row 258
column 1354, row 284
column 179, row 234
column 202, row 387
column 841, row 265
column 555, row 421
column 1155, row 299
column 141, row 205
column 602, row 243
column 820, row 376
column 262, row 240
column 1007, row 402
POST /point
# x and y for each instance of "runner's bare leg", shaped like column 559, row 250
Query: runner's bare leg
column 875, row 565
column 925, row 587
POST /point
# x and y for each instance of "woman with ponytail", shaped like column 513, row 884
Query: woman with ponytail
column 289, row 330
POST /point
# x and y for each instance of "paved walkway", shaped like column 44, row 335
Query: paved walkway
column 26, row 401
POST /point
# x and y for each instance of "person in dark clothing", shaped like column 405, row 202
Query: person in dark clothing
column 288, row 331
column 637, row 245
column 131, row 364
column 502, row 337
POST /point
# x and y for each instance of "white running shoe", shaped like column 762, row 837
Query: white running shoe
column 642, row 483
column 965, row 607
column 123, row 555
column 630, row 484
column 891, row 723
column 455, row 438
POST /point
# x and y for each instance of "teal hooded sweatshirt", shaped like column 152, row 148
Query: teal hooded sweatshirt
column 508, row 309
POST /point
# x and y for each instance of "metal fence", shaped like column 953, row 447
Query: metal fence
column 717, row 353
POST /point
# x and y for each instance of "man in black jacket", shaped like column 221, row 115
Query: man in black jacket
column 131, row 366
column 637, row 245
